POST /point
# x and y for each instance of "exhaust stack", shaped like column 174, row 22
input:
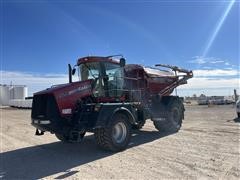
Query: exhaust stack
column 70, row 73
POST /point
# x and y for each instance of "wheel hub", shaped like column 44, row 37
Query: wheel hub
column 176, row 117
column 119, row 132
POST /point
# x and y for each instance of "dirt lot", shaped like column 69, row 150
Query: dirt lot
column 207, row 146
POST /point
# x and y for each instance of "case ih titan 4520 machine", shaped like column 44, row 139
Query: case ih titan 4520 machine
column 110, row 99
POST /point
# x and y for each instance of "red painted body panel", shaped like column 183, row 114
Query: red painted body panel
column 142, row 80
column 66, row 95
column 96, row 59
column 157, row 84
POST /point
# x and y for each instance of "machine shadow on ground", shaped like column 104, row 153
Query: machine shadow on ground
column 44, row 160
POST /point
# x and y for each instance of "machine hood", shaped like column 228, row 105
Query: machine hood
column 66, row 95
column 66, row 89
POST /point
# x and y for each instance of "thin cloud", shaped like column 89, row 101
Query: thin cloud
column 217, row 61
column 229, row 68
column 207, row 67
column 207, row 60
column 215, row 72
column 204, row 79
column 205, row 83
column 34, row 81
column 198, row 60
column 16, row 77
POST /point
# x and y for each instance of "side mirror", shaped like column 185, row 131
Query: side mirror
column 122, row 62
column 73, row 71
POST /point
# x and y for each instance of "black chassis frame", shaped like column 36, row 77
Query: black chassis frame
column 91, row 116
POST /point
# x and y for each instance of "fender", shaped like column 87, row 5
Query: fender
column 125, row 111
column 107, row 112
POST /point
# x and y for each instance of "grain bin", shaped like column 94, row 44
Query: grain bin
column 11, row 91
column 4, row 95
column 20, row 92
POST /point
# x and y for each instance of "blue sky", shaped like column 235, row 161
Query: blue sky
column 39, row 38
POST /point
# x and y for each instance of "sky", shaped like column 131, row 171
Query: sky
column 39, row 38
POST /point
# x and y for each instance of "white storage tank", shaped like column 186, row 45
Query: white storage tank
column 4, row 95
column 20, row 92
column 11, row 91
column 14, row 95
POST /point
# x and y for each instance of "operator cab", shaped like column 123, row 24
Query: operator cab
column 106, row 73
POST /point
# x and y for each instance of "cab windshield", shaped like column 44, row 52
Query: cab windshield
column 89, row 71
column 108, row 77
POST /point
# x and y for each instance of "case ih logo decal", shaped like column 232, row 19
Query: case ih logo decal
column 81, row 88
column 77, row 90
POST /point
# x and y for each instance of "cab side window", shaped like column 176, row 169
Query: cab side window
column 115, row 79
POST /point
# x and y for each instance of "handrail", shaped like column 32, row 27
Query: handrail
column 182, row 78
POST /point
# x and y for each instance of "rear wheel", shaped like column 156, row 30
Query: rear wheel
column 116, row 136
column 173, row 121
column 238, row 114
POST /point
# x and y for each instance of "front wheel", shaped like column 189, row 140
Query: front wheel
column 116, row 136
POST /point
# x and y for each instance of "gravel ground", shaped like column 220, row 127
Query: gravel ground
column 207, row 146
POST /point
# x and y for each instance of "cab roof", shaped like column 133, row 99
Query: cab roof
column 97, row 59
